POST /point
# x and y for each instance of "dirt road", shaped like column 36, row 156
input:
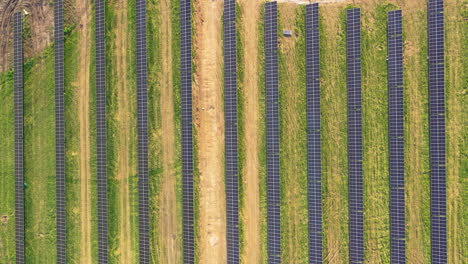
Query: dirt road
column 170, row 234
column 251, row 204
column 209, row 122
column 84, row 46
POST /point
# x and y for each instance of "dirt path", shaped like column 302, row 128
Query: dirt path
column 209, row 121
column 124, row 133
column 170, row 235
column 84, row 45
column 251, row 206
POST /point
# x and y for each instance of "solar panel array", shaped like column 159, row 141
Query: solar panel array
column 356, row 200
column 314, row 147
column 273, row 133
column 231, row 140
column 437, row 131
column 187, row 133
column 19, row 137
column 142, row 108
column 101, row 140
column 396, row 127
column 61, row 196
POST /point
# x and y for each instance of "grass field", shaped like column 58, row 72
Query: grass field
column 165, row 138
column 293, row 116
column 39, row 165
column 7, row 169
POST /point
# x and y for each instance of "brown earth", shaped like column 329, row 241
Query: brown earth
column 84, row 46
column 250, row 211
column 125, row 169
column 170, row 235
column 209, row 122
column 40, row 18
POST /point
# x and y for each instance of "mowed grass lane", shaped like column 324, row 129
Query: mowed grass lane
column 7, row 169
column 122, row 131
column 39, row 150
column 293, row 120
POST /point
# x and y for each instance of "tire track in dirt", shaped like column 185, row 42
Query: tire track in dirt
column 124, row 133
column 84, row 46
column 209, row 122
column 251, row 205
column 169, row 233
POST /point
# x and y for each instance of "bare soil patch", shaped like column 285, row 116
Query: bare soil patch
column 4, row 219
column 209, row 122
column 40, row 17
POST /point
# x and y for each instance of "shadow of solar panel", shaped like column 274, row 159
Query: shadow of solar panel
column 437, row 137
column 187, row 132
column 273, row 133
column 396, row 133
column 101, row 132
column 314, row 165
column 354, row 79
column 231, row 140
column 19, row 138
column 142, row 124
column 60, row 134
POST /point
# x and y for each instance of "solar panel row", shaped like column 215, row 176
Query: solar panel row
column 273, row 133
column 19, row 139
column 314, row 164
column 437, row 130
column 187, row 133
column 142, row 108
column 356, row 200
column 231, row 140
column 396, row 129
column 60, row 134
column 101, row 126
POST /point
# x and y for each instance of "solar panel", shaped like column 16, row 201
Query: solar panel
column 356, row 200
column 273, row 133
column 187, row 134
column 101, row 125
column 437, row 137
column 142, row 108
column 19, row 139
column 231, row 140
column 396, row 128
column 61, row 196
column 314, row 148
